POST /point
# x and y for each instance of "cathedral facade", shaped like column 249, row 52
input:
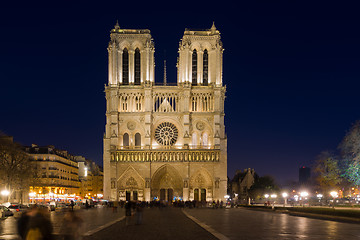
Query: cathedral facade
column 165, row 141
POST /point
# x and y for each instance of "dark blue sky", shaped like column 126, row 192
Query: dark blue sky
column 292, row 73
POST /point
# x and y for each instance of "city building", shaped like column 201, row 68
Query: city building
column 165, row 141
column 91, row 178
column 241, row 183
column 57, row 175
column 304, row 175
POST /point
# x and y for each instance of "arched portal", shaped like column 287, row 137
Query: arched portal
column 166, row 184
column 131, row 186
column 201, row 186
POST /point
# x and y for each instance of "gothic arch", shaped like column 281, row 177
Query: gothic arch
column 130, row 179
column 201, row 179
column 137, row 44
column 166, row 177
column 124, row 44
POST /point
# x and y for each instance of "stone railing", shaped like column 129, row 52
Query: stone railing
column 210, row 155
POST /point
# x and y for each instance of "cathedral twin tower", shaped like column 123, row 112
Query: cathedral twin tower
column 165, row 142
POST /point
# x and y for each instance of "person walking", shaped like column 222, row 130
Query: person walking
column 127, row 213
column 72, row 227
column 139, row 213
column 35, row 225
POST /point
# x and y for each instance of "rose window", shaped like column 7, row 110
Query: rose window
column 166, row 134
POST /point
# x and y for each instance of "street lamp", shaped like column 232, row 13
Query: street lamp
column 334, row 195
column 285, row 195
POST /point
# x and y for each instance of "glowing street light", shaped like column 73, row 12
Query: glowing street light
column 273, row 196
column 285, row 195
column 334, row 194
column 266, row 195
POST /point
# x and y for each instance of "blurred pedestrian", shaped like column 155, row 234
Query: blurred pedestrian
column 127, row 213
column 72, row 205
column 139, row 213
column 35, row 225
column 72, row 227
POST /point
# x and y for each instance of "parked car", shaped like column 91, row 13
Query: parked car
column 18, row 208
column 6, row 211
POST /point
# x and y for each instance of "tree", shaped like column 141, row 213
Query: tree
column 262, row 185
column 350, row 151
column 15, row 166
column 327, row 172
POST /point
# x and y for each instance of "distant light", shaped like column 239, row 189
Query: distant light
column 304, row 194
column 85, row 172
column 334, row 194
column 266, row 195
column 319, row 195
column 5, row 192
column 227, row 196
column 284, row 194
column 273, row 196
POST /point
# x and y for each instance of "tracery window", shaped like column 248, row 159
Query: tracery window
column 205, row 68
column 194, row 67
column 125, row 67
column 137, row 66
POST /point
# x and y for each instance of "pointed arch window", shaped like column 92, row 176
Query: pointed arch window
column 126, row 140
column 194, row 67
column 137, row 66
column 137, row 140
column 205, row 140
column 125, row 67
column 205, row 68
column 194, row 140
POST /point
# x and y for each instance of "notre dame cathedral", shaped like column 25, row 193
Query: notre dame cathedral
column 165, row 141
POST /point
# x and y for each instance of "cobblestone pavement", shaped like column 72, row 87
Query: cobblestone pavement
column 238, row 223
column 159, row 224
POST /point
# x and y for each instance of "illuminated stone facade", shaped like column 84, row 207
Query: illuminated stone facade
column 165, row 141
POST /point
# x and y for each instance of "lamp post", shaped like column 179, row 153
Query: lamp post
column 303, row 196
column 334, row 195
column 285, row 195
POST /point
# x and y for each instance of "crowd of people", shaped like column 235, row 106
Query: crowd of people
column 35, row 224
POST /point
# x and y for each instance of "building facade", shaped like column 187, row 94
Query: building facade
column 56, row 173
column 165, row 141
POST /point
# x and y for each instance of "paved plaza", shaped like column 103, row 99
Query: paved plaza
column 175, row 223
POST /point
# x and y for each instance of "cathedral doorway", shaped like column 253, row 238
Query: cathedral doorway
column 166, row 194
column 201, row 183
column 166, row 184
column 200, row 194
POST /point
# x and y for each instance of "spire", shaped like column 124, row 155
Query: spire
column 213, row 28
column 165, row 72
column 117, row 27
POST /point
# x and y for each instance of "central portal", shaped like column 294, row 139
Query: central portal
column 166, row 194
column 166, row 184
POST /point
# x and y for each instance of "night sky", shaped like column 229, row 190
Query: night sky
column 292, row 74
